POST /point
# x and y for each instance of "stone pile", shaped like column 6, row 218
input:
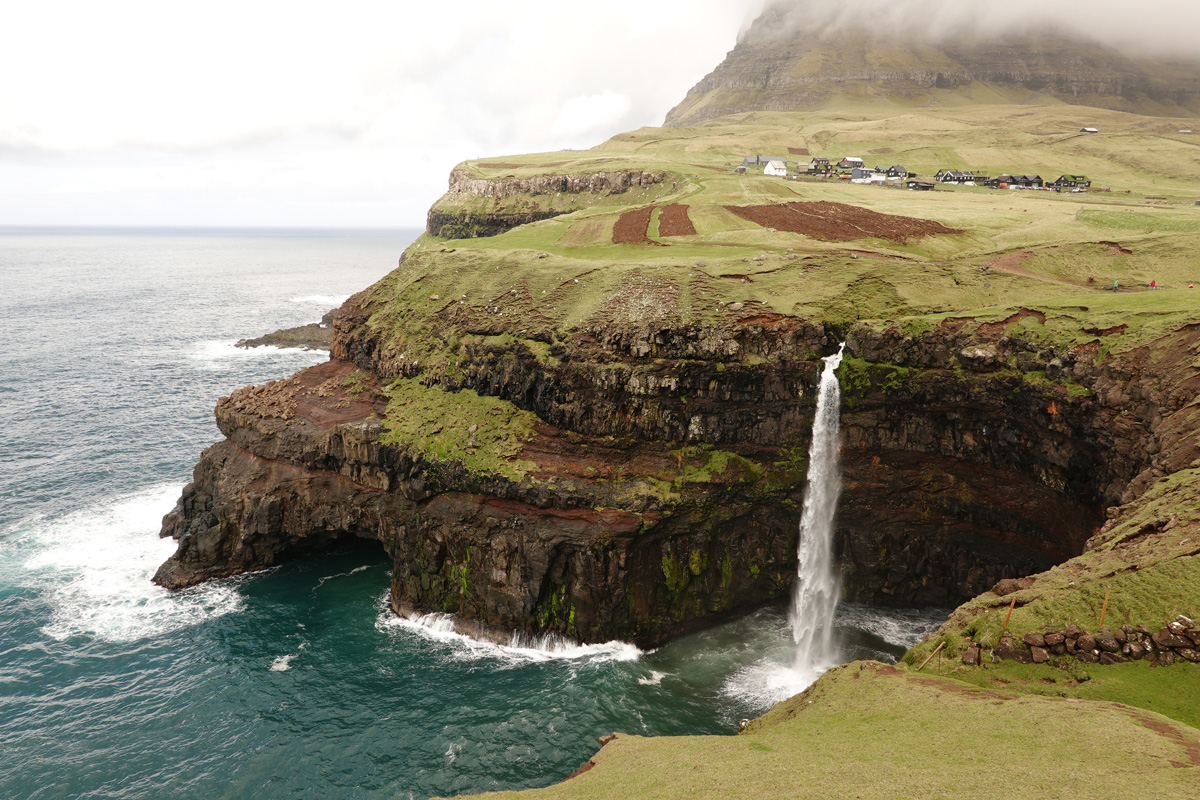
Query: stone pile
column 1178, row 641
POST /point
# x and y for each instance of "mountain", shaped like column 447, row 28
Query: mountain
column 783, row 65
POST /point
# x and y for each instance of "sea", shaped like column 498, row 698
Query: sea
column 297, row 682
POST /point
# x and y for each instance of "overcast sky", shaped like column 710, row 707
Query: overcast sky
column 319, row 113
column 256, row 112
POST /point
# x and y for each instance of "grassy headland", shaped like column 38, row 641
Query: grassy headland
column 869, row 731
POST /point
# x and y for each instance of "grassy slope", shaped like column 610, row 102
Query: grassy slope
column 549, row 280
column 870, row 731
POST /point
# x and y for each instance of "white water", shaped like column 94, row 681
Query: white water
column 815, row 601
column 93, row 568
column 521, row 649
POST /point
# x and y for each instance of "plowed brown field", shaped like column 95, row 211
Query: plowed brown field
column 673, row 220
column 632, row 226
column 838, row 222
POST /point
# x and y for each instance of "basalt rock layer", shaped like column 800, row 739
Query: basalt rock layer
column 663, row 470
column 480, row 207
column 782, row 63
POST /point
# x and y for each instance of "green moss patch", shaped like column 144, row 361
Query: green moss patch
column 482, row 433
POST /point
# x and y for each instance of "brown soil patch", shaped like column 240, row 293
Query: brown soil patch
column 992, row 330
column 1114, row 330
column 632, row 226
column 674, row 221
column 1116, row 248
column 319, row 395
column 588, row 767
column 838, row 222
column 954, row 688
column 799, row 151
column 1191, row 748
column 955, row 323
column 1015, row 263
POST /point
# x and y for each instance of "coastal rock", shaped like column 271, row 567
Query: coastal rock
column 956, row 477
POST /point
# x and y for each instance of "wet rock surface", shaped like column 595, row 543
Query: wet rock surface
column 959, row 473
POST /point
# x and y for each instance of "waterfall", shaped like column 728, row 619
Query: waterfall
column 816, row 596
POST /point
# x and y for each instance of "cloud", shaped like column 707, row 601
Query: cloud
column 1163, row 27
column 587, row 114
column 257, row 110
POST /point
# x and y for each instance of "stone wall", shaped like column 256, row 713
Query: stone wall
column 1177, row 641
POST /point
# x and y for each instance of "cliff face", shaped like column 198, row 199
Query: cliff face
column 668, row 472
column 780, row 65
column 480, row 207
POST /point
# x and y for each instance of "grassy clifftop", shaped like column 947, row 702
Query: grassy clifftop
column 1032, row 266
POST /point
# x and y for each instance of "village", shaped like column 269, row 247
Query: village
column 855, row 170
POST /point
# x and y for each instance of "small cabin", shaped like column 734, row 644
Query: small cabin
column 1089, row 130
column 777, row 167
column 920, row 186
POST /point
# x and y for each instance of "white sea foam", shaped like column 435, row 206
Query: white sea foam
column 223, row 354
column 521, row 648
column 94, row 567
column 354, row 571
column 901, row 627
column 283, row 663
column 766, row 682
column 326, row 300
column 653, row 679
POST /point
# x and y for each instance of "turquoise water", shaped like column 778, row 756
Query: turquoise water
column 292, row 683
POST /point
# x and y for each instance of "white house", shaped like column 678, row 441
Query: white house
column 778, row 168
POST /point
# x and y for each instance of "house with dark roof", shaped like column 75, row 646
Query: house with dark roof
column 1069, row 182
column 920, row 186
column 761, row 161
column 818, row 166
column 895, row 172
column 851, row 162
column 965, row 178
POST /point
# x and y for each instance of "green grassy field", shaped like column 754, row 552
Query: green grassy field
column 870, row 731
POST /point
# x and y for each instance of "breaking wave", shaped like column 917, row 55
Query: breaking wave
column 94, row 567
column 521, row 648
